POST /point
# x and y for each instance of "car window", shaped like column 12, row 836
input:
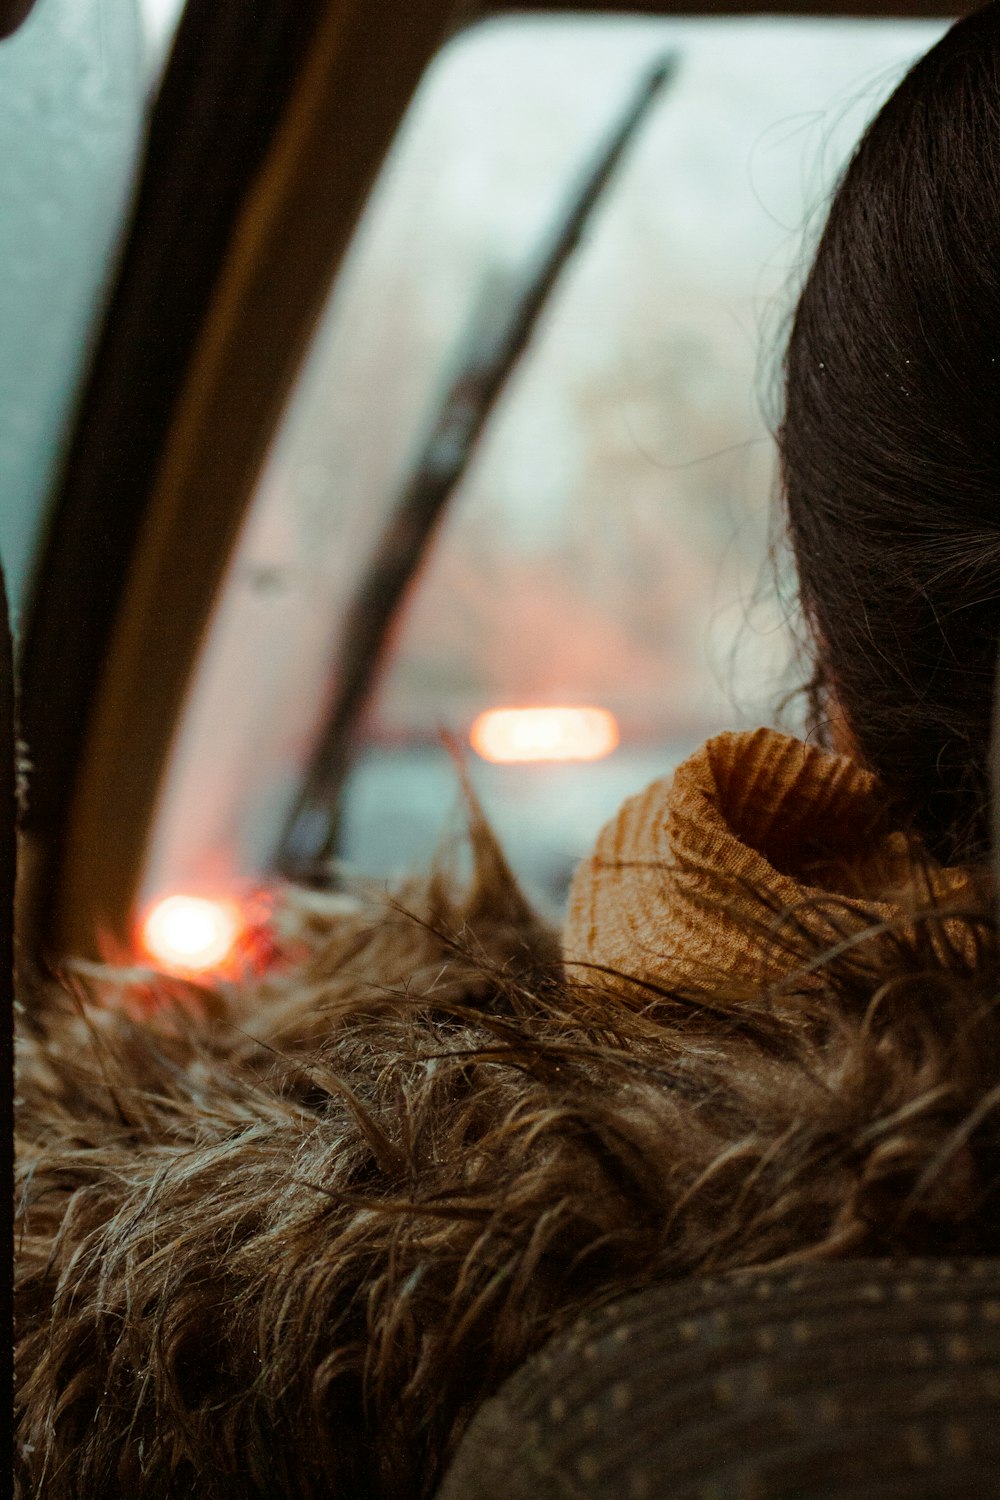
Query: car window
column 75, row 82
column 608, row 546
column 159, row 23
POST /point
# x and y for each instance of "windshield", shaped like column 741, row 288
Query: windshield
column 608, row 546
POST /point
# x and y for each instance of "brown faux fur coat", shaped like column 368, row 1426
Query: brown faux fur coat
column 282, row 1239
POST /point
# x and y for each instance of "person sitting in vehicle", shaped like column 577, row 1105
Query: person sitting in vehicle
column 284, row 1237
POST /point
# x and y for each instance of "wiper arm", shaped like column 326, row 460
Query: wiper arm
column 491, row 353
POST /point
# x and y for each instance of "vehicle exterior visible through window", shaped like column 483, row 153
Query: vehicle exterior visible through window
column 606, row 548
column 520, row 497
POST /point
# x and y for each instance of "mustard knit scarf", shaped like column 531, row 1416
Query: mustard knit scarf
column 700, row 875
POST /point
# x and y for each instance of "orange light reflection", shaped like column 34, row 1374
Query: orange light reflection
column 190, row 935
column 509, row 735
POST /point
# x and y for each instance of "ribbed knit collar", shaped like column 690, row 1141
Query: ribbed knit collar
column 759, row 846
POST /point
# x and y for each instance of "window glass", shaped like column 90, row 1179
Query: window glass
column 608, row 545
column 159, row 23
column 73, row 88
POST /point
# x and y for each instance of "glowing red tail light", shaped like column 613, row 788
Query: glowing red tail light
column 191, row 935
column 536, row 734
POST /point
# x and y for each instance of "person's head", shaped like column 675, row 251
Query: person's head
column 890, row 441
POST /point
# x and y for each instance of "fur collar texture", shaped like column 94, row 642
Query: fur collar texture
column 282, row 1239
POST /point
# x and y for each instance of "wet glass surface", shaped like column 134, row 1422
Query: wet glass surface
column 608, row 545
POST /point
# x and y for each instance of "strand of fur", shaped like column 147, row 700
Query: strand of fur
column 283, row 1239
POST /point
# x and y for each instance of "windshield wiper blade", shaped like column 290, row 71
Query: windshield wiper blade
column 496, row 341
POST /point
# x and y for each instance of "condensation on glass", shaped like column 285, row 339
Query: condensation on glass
column 74, row 84
column 609, row 543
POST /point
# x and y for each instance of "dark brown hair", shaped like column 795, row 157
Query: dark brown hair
column 891, row 439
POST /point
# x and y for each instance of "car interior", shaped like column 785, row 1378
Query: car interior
column 253, row 420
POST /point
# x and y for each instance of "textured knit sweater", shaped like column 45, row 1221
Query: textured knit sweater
column 757, row 842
